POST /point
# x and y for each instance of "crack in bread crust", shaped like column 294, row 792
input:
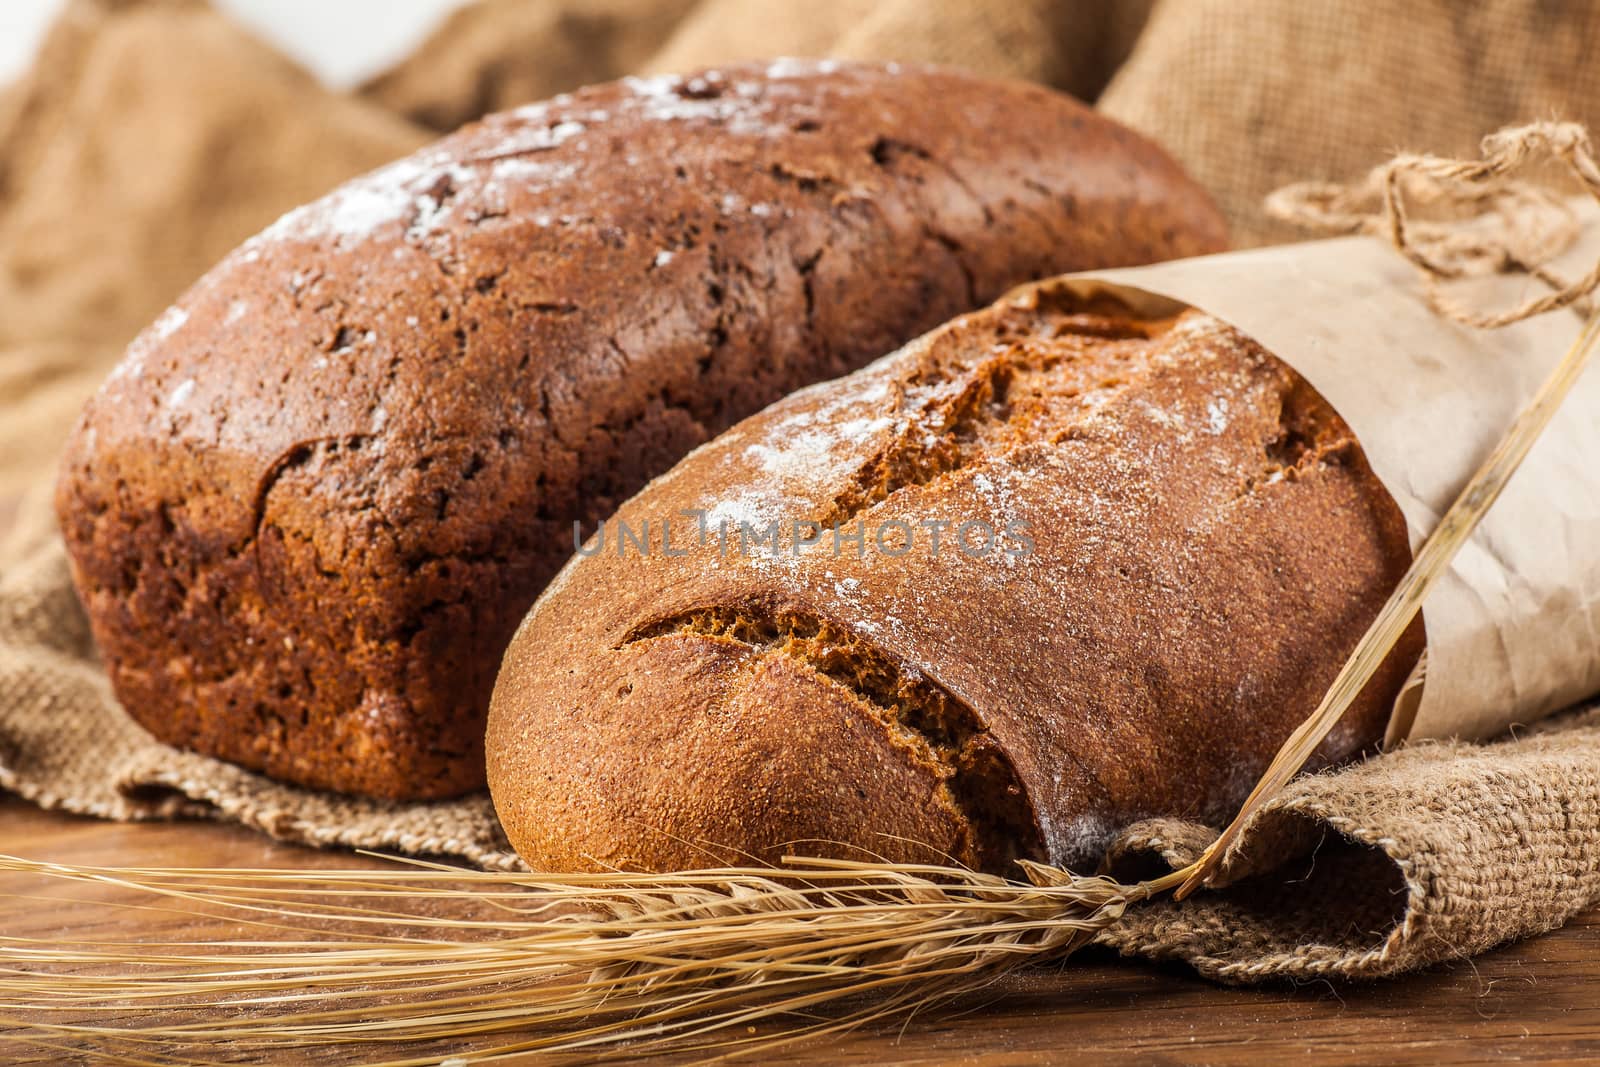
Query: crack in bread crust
column 1041, row 379
column 1016, row 394
column 978, row 781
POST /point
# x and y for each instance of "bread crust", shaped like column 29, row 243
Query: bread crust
column 1206, row 544
column 310, row 506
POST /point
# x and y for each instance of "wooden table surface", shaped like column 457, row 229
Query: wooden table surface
column 1537, row 1001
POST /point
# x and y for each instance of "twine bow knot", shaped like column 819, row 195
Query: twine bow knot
column 1480, row 219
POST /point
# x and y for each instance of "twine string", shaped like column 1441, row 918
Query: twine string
column 1494, row 223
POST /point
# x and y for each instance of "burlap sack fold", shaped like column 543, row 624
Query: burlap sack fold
column 1073, row 45
column 501, row 53
column 497, row 54
column 1435, row 852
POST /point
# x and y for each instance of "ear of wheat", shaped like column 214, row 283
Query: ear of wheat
column 553, row 963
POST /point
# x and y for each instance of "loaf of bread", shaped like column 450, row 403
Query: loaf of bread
column 1049, row 569
column 310, row 506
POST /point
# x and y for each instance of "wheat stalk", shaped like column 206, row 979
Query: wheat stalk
column 554, row 963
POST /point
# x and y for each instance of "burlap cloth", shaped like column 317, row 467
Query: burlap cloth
column 155, row 134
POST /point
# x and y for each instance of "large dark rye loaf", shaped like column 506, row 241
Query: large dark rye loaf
column 312, row 502
column 1087, row 569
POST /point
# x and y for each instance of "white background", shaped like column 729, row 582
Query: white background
column 343, row 41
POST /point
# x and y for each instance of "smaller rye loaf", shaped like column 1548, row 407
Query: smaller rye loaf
column 308, row 509
column 1158, row 546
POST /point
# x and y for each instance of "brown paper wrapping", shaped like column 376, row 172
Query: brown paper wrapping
column 1514, row 628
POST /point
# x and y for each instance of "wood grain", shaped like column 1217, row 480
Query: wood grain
column 1534, row 1002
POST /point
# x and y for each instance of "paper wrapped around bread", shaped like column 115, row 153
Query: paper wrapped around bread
column 1513, row 630
column 1207, row 540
